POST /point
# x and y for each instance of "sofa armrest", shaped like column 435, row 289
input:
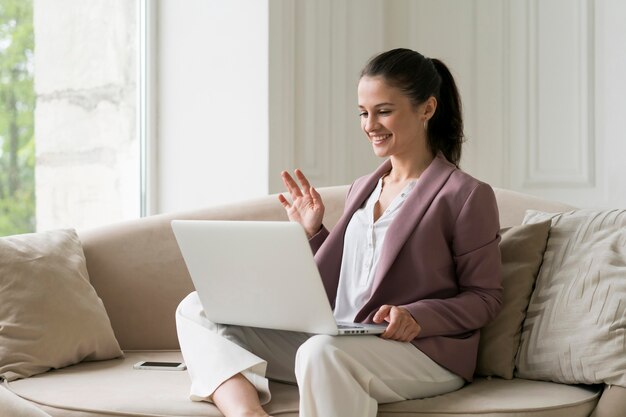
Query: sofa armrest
column 15, row 406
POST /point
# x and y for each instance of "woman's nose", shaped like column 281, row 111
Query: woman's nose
column 371, row 123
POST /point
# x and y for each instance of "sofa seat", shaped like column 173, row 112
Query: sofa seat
column 114, row 388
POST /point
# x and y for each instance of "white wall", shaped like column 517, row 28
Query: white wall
column 564, row 73
column 611, row 93
column 320, row 130
column 321, row 47
column 541, row 83
column 212, row 90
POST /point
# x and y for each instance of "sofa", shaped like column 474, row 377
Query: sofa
column 138, row 273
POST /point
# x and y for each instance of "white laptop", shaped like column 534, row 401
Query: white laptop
column 259, row 274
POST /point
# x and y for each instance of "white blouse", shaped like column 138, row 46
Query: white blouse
column 362, row 247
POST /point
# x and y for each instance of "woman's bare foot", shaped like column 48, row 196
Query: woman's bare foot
column 237, row 397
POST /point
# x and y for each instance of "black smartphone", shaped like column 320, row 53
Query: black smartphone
column 160, row 366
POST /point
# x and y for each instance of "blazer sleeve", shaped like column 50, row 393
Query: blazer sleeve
column 318, row 239
column 476, row 253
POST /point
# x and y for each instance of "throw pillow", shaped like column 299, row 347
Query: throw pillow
column 522, row 250
column 575, row 327
column 50, row 315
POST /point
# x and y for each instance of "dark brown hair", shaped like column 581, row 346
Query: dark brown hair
column 420, row 78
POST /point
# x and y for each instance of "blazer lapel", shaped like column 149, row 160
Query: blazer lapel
column 410, row 214
column 361, row 194
column 329, row 255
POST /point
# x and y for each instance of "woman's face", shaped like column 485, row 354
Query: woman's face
column 392, row 123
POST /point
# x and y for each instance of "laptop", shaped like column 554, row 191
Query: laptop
column 259, row 274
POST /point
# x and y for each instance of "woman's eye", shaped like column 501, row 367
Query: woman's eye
column 384, row 112
column 363, row 114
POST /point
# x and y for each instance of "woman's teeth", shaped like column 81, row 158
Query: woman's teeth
column 380, row 138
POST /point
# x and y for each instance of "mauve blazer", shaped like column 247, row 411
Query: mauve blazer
column 440, row 260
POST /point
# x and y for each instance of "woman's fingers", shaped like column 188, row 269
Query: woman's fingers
column 317, row 198
column 393, row 330
column 407, row 334
column 306, row 186
column 382, row 313
column 396, row 330
column 307, row 208
column 284, row 201
column 291, row 185
column 402, row 326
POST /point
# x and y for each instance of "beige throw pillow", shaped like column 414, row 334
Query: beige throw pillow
column 575, row 327
column 522, row 249
column 50, row 315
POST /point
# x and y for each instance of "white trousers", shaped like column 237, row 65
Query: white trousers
column 339, row 376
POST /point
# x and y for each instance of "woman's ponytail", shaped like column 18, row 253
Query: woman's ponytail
column 445, row 128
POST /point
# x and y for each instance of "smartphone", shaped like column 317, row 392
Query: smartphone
column 160, row 366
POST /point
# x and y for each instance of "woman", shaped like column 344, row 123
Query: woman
column 416, row 247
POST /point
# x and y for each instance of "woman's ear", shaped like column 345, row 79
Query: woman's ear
column 430, row 106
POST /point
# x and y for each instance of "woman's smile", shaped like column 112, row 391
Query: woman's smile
column 379, row 139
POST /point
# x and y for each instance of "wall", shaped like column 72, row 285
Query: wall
column 212, row 92
column 562, row 106
column 319, row 49
column 332, row 42
column 540, row 80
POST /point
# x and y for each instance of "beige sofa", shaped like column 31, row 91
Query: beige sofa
column 137, row 270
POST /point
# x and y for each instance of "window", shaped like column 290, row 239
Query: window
column 17, row 104
column 69, row 153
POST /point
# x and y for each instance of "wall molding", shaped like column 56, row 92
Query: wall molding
column 282, row 32
column 581, row 171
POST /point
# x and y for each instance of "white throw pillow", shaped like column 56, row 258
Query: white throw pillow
column 50, row 315
column 575, row 327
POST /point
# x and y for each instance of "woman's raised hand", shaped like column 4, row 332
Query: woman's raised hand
column 306, row 207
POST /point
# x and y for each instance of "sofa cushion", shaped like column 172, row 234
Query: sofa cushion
column 99, row 389
column 522, row 250
column 496, row 397
column 575, row 328
column 50, row 316
column 115, row 387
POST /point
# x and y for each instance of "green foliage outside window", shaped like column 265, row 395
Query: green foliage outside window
column 17, row 105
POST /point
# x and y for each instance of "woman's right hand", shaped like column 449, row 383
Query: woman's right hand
column 306, row 207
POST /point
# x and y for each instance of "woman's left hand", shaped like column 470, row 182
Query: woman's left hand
column 402, row 326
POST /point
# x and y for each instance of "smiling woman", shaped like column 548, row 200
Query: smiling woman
column 384, row 113
column 400, row 85
column 416, row 249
